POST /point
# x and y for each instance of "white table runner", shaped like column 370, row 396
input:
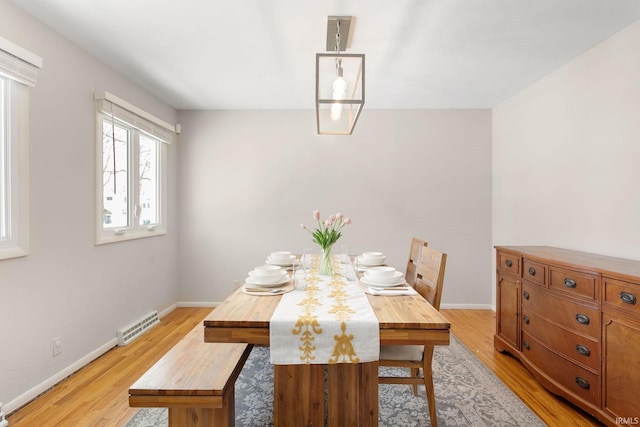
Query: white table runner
column 329, row 322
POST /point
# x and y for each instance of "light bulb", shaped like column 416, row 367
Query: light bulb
column 339, row 88
column 336, row 112
column 339, row 93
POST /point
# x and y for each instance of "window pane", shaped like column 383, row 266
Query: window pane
column 148, row 181
column 115, row 164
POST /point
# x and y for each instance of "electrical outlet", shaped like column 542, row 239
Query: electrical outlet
column 236, row 284
column 57, row 346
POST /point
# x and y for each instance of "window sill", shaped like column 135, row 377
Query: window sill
column 12, row 252
column 112, row 236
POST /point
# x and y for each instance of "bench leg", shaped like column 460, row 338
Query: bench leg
column 206, row 417
column 191, row 417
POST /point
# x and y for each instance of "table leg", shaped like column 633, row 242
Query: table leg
column 298, row 395
column 353, row 394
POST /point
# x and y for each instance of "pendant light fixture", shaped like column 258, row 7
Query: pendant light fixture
column 339, row 81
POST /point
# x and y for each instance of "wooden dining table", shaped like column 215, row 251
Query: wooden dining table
column 299, row 390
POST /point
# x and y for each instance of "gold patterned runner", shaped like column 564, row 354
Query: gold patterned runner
column 330, row 322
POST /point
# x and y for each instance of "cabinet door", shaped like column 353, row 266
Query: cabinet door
column 508, row 303
column 621, row 337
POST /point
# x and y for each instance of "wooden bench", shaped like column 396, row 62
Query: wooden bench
column 195, row 380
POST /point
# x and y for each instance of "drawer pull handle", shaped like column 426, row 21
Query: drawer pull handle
column 569, row 283
column 582, row 318
column 583, row 350
column 508, row 263
column 525, row 295
column 532, row 271
column 525, row 345
column 582, row 383
column 525, row 319
column 628, row 298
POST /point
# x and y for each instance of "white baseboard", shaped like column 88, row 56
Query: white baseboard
column 467, row 307
column 167, row 310
column 34, row 392
column 186, row 304
column 197, row 304
column 3, row 422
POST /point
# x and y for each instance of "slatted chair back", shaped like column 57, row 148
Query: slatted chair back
column 411, row 271
column 430, row 275
column 429, row 279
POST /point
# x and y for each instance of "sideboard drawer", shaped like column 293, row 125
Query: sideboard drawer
column 578, row 317
column 510, row 262
column 573, row 282
column 578, row 381
column 581, row 349
column 534, row 271
column 623, row 295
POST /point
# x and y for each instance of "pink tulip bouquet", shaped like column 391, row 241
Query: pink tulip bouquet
column 326, row 235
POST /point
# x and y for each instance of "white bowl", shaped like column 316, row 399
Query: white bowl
column 267, row 279
column 261, row 284
column 281, row 263
column 267, row 270
column 372, row 254
column 384, row 280
column 381, row 271
column 281, row 255
column 260, row 273
column 290, row 258
column 371, row 261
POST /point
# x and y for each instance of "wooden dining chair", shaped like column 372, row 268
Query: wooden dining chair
column 429, row 279
column 411, row 271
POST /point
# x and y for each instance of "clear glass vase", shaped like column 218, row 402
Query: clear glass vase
column 326, row 266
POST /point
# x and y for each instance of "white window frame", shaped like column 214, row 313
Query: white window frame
column 18, row 71
column 138, row 122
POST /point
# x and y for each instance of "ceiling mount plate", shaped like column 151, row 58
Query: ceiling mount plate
column 345, row 27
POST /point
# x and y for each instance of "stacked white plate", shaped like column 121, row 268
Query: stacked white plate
column 281, row 258
column 369, row 259
column 267, row 276
column 382, row 277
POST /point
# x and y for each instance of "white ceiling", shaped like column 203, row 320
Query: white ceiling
column 260, row 54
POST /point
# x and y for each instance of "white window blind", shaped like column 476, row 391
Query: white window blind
column 18, row 71
column 112, row 106
column 18, row 64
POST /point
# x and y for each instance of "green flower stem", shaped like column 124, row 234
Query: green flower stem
column 326, row 266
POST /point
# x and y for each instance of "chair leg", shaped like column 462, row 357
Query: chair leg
column 428, row 383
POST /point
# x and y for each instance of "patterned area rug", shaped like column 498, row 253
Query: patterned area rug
column 467, row 394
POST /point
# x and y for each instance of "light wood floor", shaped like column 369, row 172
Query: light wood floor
column 97, row 395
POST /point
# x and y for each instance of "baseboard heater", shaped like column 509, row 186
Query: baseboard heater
column 133, row 331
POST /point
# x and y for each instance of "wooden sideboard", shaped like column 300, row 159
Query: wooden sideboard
column 573, row 320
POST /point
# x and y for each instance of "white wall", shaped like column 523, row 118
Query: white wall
column 565, row 155
column 249, row 178
column 67, row 286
